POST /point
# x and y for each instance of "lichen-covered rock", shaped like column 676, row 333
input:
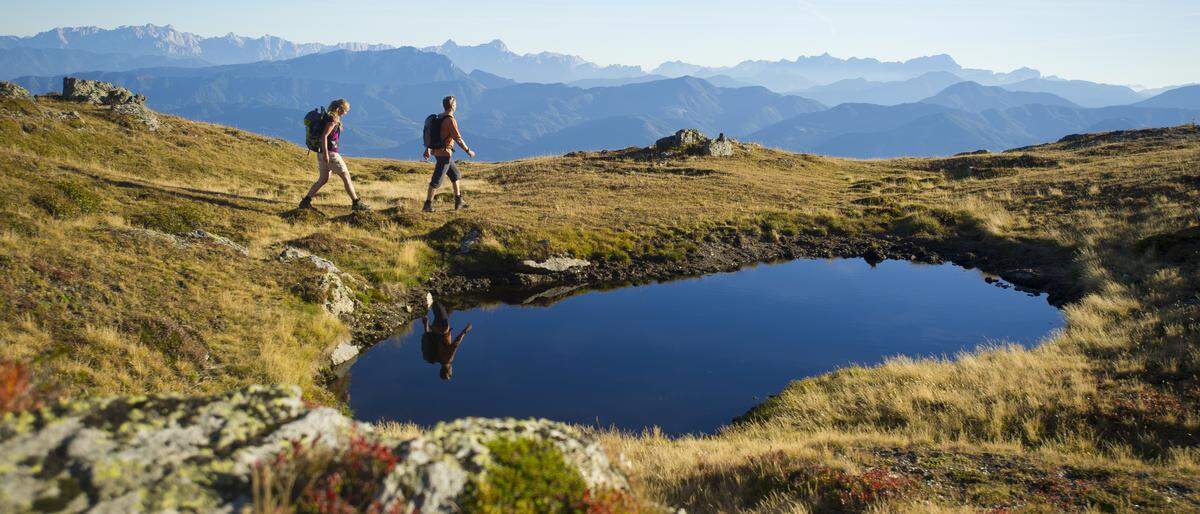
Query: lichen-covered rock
column 436, row 467
column 139, row 115
column 198, row 454
column 554, row 265
column 13, row 91
column 681, row 139
column 100, row 93
column 336, row 296
column 719, row 147
column 153, row 454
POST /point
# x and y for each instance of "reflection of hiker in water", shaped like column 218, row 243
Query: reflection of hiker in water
column 436, row 344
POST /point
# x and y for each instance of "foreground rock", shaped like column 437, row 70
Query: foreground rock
column 172, row 453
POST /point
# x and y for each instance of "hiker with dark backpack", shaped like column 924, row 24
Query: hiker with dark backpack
column 441, row 134
column 323, row 130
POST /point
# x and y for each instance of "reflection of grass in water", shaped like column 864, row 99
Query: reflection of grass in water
column 106, row 308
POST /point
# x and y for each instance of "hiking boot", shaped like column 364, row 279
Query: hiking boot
column 428, row 206
column 357, row 205
column 460, row 204
column 306, row 203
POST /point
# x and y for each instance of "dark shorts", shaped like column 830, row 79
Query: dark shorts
column 445, row 167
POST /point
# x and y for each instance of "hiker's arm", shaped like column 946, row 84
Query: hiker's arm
column 461, row 335
column 325, row 139
column 454, row 133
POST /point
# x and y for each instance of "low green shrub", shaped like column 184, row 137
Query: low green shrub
column 526, row 476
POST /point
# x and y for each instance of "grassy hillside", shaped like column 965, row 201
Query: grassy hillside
column 100, row 299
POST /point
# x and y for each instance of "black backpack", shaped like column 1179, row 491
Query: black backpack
column 314, row 127
column 433, row 131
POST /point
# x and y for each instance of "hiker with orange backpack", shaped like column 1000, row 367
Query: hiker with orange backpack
column 323, row 133
column 441, row 134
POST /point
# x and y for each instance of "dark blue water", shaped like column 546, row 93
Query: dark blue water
column 690, row 355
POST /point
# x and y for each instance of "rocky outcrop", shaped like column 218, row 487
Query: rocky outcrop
column 178, row 454
column 694, row 142
column 720, row 147
column 553, row 265
column 436, row 467
column 330, row 286
column 681, row 139
column 210, row 239
column 99, row 93
column 8, row 90
column 154, row 454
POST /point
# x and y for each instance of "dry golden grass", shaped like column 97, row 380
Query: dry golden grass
column 1102, row 415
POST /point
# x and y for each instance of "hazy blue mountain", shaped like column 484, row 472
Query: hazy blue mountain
column 167, row 41
column 1081, row 92
column 860, row 90
column 21, row 61
column 545, row 67
column 392, row 91
column 922, row 129
column 603, row 134
column 809, row 72
column 972, row 97
column 590, row 83
column 805, row 132
column 1187, row 97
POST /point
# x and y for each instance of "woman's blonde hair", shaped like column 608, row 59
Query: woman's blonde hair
column 339, row 107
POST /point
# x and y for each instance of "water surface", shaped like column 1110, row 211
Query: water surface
column 690, row 355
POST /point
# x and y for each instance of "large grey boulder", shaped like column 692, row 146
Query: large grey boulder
column 436, row 467
column 153, row 454
column 719, row 147
column 335, row 294
column 100, row 93
column 13, row 91
column 681, row 139
column 553, row 265
column 198, row 454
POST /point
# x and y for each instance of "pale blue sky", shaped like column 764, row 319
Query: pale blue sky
column 1150, row 42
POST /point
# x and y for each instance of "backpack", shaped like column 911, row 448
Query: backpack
column 314, row 127
column 433, row 131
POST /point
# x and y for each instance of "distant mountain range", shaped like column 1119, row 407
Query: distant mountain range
column 515, row 105
column 166, row 41
column 547, row 67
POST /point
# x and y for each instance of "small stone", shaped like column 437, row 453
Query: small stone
column 554, row 265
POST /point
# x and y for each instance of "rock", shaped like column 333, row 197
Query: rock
column 681, row 139
column 553, row 265
column 292, row 253
column 196, row 454
column 138, row 115
column 163, row 453
column 343, row 353
column 8, row 90
column 203, row 237
column 334, row 294
column 435, row 468
column 99, row 93
column 720, row 147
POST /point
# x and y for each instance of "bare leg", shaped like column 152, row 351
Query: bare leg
column 457, row 191
column 321, row 180
column 349, row 185
column 429, row 195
